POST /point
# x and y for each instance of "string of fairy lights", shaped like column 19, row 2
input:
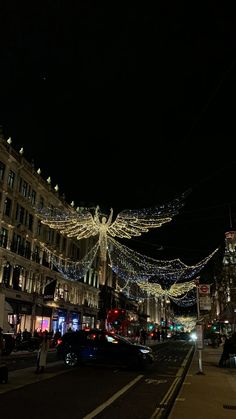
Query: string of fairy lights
column 150, row 276
column 72, row 270
column 146, row 283
column 187, row 300
column 128, row 264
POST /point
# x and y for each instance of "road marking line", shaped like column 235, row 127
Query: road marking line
column 162, row 406
column 115, row 396
column 180, row 399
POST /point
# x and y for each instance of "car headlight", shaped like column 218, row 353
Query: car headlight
column 144, row 351
column 193, row 336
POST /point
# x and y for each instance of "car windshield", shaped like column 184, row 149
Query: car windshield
column 118, row 338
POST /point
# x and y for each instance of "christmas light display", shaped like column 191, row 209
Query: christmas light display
column 187, row 300
column 70, row 269
column 188, row 322
column 128, row 264
column 175, row 290
column 142, row 273
column 83, row 224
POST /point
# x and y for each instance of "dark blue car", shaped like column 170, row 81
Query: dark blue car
column 99, row 346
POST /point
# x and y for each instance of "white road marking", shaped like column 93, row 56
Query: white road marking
column 153, row 381
column 115, row 396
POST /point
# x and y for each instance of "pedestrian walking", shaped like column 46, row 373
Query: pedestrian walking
column 42, row 354
column 143, row 337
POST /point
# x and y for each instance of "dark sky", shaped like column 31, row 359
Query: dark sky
column 128, row 106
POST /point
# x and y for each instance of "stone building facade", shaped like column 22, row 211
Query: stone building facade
column 33, row 293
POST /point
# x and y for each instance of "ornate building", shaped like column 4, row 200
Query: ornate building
column 33, row 293
column 224, row 295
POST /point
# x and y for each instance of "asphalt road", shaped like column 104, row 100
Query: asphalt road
column 97, row 391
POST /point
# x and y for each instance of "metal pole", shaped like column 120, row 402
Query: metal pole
column 200, row 371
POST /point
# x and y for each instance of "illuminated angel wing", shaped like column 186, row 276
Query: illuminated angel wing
column 181, row 288
column 152, row 288
column 135, row 222
column 80, row 225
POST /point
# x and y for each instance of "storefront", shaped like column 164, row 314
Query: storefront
column 20, row 315
column 73, row 321
column 59, row 321
column 88, row 322
column 43, row 318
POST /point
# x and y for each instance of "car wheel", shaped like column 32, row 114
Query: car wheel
column 71, row 359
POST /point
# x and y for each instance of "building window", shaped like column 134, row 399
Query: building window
column 33, row 197
column 22, row 215
column 41, row 202
column 16, row 279
column 16, row 242
column 7, row 207
column 11, row 179
column 30, row 220
column 24, row 189
column 39, row 228
column 3, row 238
column 48, row 235
column 6, row 275
column 27, row 249
column 2, row 170
column 58, row 237
column 35, row 256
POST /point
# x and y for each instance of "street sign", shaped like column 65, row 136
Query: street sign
column 204, row 289
column 205, row 302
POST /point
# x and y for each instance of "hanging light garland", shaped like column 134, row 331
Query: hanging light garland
column 129, row 264
column 70, row 269
column 188, row 300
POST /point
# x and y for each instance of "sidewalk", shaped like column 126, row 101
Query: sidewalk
column 212, row 395
column 24, row 376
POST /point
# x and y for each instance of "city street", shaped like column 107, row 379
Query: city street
column 96, row 391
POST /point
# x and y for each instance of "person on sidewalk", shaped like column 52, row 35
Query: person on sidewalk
column 228, row 348
column 225, row 353
column 42, row 354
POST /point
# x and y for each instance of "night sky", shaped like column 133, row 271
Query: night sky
column 128, row 106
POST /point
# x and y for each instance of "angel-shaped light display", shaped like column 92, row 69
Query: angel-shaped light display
column 174, row 291
column 128, row 223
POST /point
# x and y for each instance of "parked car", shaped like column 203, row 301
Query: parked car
column 102, row 347
column 30, row 344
